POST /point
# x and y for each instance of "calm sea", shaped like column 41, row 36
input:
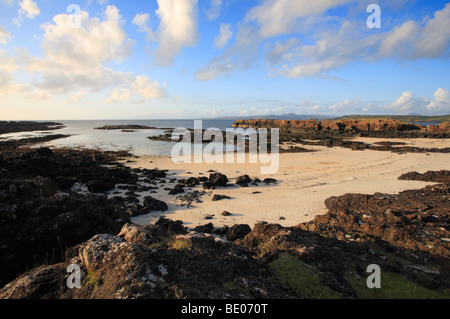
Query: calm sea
column 83, row 135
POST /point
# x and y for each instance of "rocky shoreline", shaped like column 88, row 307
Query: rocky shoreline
column 54, row 212
column 27, row 126
column 384, row 128
column 66, row 207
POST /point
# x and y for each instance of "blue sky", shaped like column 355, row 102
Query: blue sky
column 208, row 58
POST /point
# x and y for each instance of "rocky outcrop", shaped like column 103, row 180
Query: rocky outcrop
column 125, row 127
column 360, row 127
column 153, row 262
column 40, row 216
column 395, row 147
column 406, row 235
column 38, row 230
column 415, row 219
column 442, row 176
column 27, row 126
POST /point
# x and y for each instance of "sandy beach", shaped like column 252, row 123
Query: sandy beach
column 304, row 181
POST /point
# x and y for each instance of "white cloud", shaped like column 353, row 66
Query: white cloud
column 72, row 51
column 344, row 105
column 241, row 55
column 212, row 112
column 279, row 51
column 407, row 102
column 75, row 59
column 119, row 95
column 225, row 35
column 413, row 40
column 214, row 11
column 4, row 35
column 147, row 89
column 142, row 21
column 327, row 41
column 8, row 65
column 277, row 17
column 38, row 95
column 29, row 9
column 177, row 29
column 441, row 101
column 333, row 49
column 74, row 98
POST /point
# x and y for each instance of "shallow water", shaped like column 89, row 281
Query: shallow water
column 83, row 135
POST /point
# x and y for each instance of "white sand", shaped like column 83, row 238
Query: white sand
column 305, row 180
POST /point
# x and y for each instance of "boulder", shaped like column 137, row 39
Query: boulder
column 238, row 232
column 218, row 179
column 243, row 180
column 217, row 197
column 154, row 204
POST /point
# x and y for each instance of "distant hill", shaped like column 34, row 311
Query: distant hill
column 403, row 118
column 289, row 116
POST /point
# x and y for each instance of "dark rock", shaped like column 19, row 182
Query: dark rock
column 218, row 179
column 217, row 197
column 208, row 228
column 208, row 185
column 225, row 213
column 442, row 176
column 99, row 186
column 154, row 204
column 238, row 232
column 45, row 152
column 44, row 227
column 177, row 189
column 190, row 182
column 269, row 181
column 191, row 266
column 65, row 182
column 243, row 180
column 171, row 226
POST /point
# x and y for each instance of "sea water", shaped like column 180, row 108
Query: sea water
column 84, row 135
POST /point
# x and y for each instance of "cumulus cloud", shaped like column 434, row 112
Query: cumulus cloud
column 411, row 40
column 8, row 65
column 147, row 89
column 213, row 12
column 28, row 9
column 142, row 21
column 4, row 35
column 344, row 105
column 280, row 51
column 414, row 40
column 224, row 36
column 441, row 102
column 74, row 98
column 241, row 55
column 277, row 17
column 75, row 58
column 119, row 95
column 325, row 42
column 407, row 102
column 177, row 29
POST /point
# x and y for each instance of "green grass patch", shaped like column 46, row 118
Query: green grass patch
column 170, row 241
column 92, row 279
column 302, row 280
column 394, row 286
